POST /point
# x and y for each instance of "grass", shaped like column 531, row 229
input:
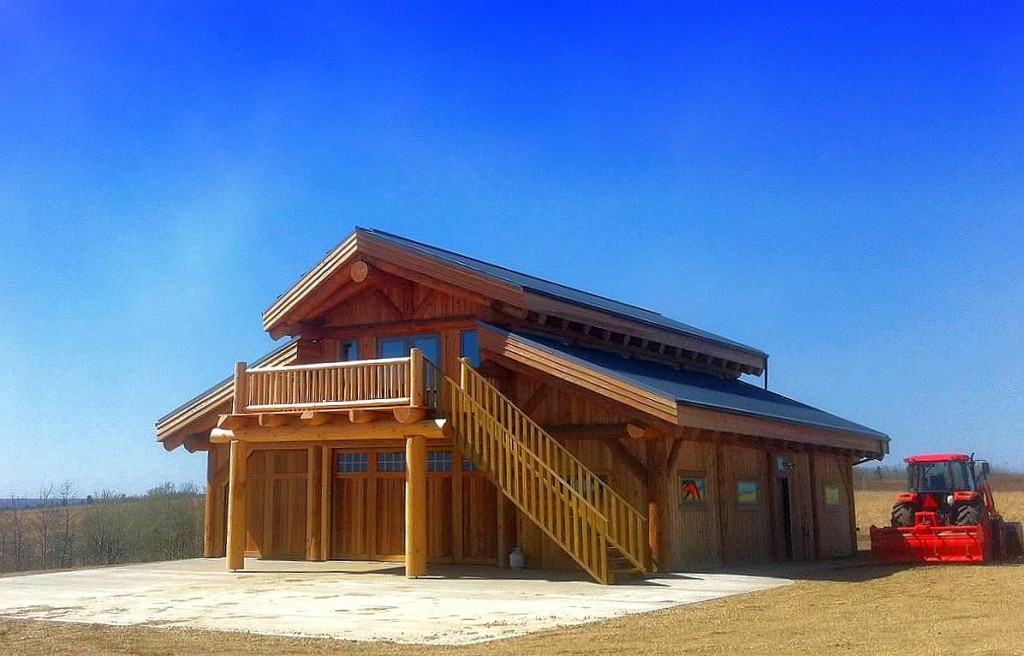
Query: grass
column 858, row 609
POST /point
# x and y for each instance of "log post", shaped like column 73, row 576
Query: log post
column 416, row 506
column 416, row 380
column 241, row 389
column 657, row 505
column 236, row 505
column 212, row 502
column 314, row 471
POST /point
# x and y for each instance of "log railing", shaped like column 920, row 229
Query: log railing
column 558, row 492
column 385, row 383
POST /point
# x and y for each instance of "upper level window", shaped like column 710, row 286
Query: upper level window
column 348, row 350
column 400, row 345
column 469, row 346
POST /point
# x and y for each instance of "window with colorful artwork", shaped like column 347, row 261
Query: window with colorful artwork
column 746, row 493
column 693, row 488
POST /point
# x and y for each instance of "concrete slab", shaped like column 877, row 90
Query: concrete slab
column 350, row 600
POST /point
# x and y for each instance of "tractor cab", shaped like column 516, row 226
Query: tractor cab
column 946, row 484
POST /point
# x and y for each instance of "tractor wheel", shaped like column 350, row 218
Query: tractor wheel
column 902, row 514
column 968, row 515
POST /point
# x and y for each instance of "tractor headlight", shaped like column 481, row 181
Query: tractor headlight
column 949, row 500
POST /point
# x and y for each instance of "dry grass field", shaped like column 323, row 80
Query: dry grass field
column 858, row 609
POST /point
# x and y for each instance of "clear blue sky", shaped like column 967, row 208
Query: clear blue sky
column 843, row 188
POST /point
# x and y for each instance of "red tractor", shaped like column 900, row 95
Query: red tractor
column 948, row 515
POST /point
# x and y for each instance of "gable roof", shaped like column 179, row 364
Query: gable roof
column 494, row 284
column 560, row 292
column 683, row 387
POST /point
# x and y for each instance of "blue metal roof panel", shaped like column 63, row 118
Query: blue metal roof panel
column 698, row 388
column 561, row 292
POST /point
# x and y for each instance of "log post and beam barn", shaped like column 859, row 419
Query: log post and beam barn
column 433, row 408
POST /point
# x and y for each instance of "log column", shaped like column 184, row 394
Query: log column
column 416, row 506
column 212, row 538
column 236, row 505
column 657, row 504
column 314, row 483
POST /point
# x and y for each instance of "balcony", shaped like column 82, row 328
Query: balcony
column 333, row 387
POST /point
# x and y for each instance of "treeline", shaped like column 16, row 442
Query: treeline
column 166, row 523
column 874, row 476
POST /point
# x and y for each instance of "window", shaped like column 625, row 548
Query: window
column 746, row 493
column 468, row 465
column 693, row 488
column 469, row 347
column 439, row 461
column 390, row 461
column 351, row 463
column 399, row 347
column 831, row 495
column 782, row 465
column 348, row 350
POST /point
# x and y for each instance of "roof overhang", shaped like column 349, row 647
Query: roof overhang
column 666, row 407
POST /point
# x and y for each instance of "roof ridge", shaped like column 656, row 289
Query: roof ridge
column 510, row 270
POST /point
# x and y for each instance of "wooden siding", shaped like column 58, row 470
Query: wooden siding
column 834, row 525
column 746, row 529
column 276, row 503
column 694, row 526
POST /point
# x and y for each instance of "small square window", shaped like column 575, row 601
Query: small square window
column 693, row 489
column 468, row 465
column 439, row 461
column 390, row 461
column 351, row 463
column 746, row 493
column 831, row 495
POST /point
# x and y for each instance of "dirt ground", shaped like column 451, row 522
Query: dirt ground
column 854, row 610
column 860, row 609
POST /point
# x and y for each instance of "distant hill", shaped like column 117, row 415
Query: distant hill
column 26, row 502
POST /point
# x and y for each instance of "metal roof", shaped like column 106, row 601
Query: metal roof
column 699, row 388
column 935, row 457
column 560, row 292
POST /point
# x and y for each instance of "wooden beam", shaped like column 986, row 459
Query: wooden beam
column 313, row 418
column 588, row 431
column 212, row 502
column 364, row 416
column 241, row 393
column 326, row 488
column 657, row 505
column 626, row 457
column 535, row 399
column 314, row 528
column 270, row 420
column 416, row 507
column 359, row 271
column 409, row 415
column 431, row 428
column 636, row 431
column 236, row 506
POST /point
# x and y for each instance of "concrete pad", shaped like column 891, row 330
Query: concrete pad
column 350, row 600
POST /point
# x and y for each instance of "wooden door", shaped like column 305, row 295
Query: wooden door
column 802, row 508
column 479, row 517
column 351, row 505
column 276, row 503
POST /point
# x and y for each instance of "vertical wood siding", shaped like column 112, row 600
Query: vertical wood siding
column 746, row 530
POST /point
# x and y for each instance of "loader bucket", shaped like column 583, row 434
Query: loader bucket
column 928, row 544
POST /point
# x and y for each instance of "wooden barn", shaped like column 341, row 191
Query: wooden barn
column 433, row 408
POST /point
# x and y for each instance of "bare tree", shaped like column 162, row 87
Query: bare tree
column 46, row 526
column 19, row 553
column 66, row 493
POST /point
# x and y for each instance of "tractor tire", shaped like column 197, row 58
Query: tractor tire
column 1014, row 540
column 968, row 515
column 902, row 515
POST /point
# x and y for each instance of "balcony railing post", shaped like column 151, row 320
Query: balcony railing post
column 241, row 388
column 416, row 382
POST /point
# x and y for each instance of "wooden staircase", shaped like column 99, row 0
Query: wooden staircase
column 572, row 505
